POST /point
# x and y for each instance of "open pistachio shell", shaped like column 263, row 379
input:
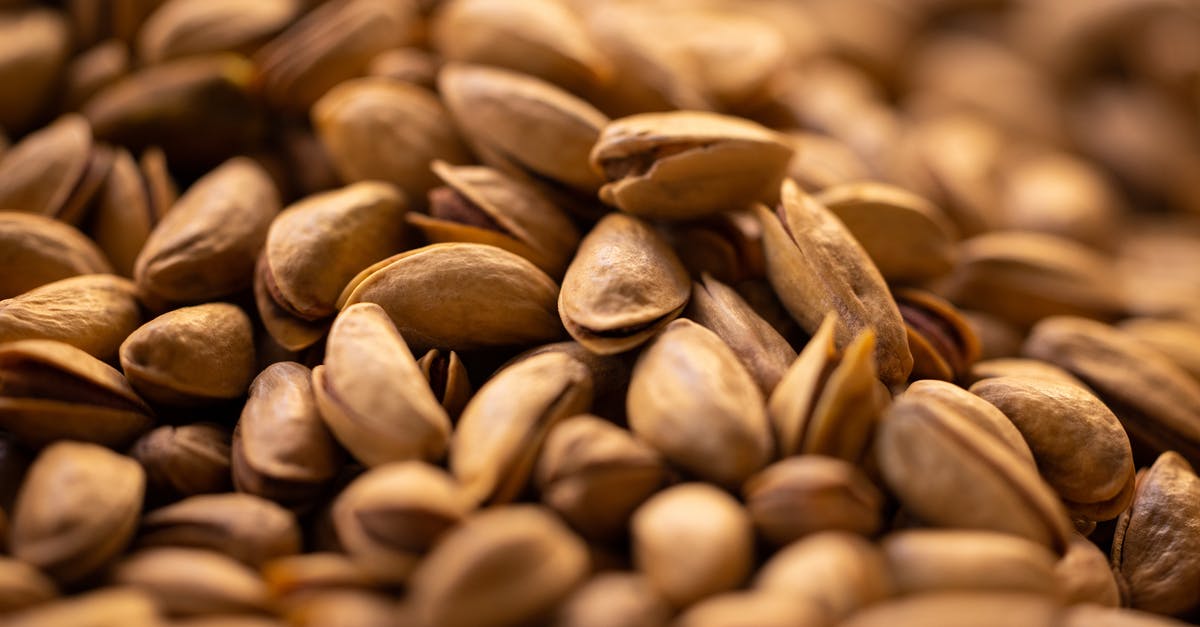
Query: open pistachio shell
column 943, row 344
column 39, row 174
column 764, row 352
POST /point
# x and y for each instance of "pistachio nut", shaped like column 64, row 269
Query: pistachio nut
column 542, row 561
column 23, row 586
column 753, row 607
column 692, row 400
column 38, row 250
column 1062, row 195
column 1080, row 447
column 372, row 395
column 206, row 245
column 93, row 312
column 105, row 607
column 1177, row 339
column 448, row 378
column 346, row 607
column 1092, row 615
column 610, row 375
column 1156, row 401
column 78, row 509
column 314, row 247
column 501, row 430
column 332, row 43
column 408, row 65
column 294, row 576
column 614, row 599
column 51, row 391
column 613, row 311
column 727, row 246
column 390, row 516
column 93, row 70
column 282, row 449
column 193, row 582
column 595, row 474
column 1084, row 575
column 1154, row 547
column 821, row 161
column 182, row 28
column 184, row 460
column 37, row 44
column 938, row 560
column 1022, row 277
column 962, row 609
column 484, row 205
column 816, row 266
column 125, row 212
column 379, row 129
column 687, row 164
column 839, row 571
column 997, row 337
column 806, row 494
column 1022, row 367
column 250, row 529
column 692, row 541
column 53, row 171
column 524, row 126
column 460, row 296
column 764, row 352
column 975, row 410
column 949, row 471
column 942, row 341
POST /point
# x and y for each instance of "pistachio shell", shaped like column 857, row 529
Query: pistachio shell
column 448, row 379
column 943, row 344
column 39, row 174
column 614, row 599
column 687, row 164
column 1022, row 367
column 36, row 46
column 22, row 586
column 762, row 609
column 124, row 214
column 1177, row 339
column 94, row 312
column 245, row 527
column 38, row 250
column 806, row 494
column 975, row 410
column 106, row 607
column 1061, row 195
column 937, row 560
column 1084, row 575
column 180, row 28
column 191, row 582
column 962, row 609
column 838, row 570
column 93, row 70
column 460, row 296
column 624, row 284
column 185, row 460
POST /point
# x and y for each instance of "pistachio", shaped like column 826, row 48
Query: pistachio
column 282, row 449
column 1023, row 367
column 93, row 312
column 727, row 246
column 502, row 428
column 1061, row 195
column 124, row 214
column 93, row 70
column 943, row 344
column 613, row 311
column 43, row 172
column 389, row 517
column 962, row 609
column 687, row 164
column 460, row 296
column 1084, row 575
column 38, row 250
column 192, row 582
column 595, row 474
column 245, row 527
column 1091, row 615
column 692, row 541
column 757, row 608
column 372, row 395
column 407, row 65
column 23, row 586
column 610, row 375
column 997, row 337
column 973, row 409
column 294, row 576
column 380, row 129
column 840, row 572
column 542, row 561
column 77, row 510
column 314, row 247
column 448, row 378
column 1177, row 339
column 106, row 607
column 821, row 161
column 816, row 266
column 614, row 599
column 186, row 27
column 51, row 391
column 37, row 43
column 764, row 352
column 807, row 494
column 205, row 247
column 483, row 205
column 345, row 607
column 185, row 460
column 692, row 399
column 938, row 560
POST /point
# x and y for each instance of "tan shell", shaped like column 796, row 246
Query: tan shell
column 459, row 296
column 614, row 598
column 936, row 560
column 181, row 28
column 37, row 44
column 1177, row 339
column 51, row 391
column 611, row 311
column 372, row 394
column 962, row 609
column 840, row 571
column 1062, row 195
column 23, row 586
column 37, row 250
column 124, row 213
column 448, row 378
column 93, row 70
column 816, row 266
column 942, row 341
column 806, row 494
column 245, row 527
column 727, row 246
column 687, row 164
column 1022, row 367
column 190, row 582
column 1084, row 576
column 764, row 609
column 102, row 608
column 975, row 410
column 39, row 174
column 185, row 460
column 94, row 312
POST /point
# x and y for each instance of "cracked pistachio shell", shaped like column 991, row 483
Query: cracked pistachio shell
column 282, row 449
column 829, row 401
column 192, row 355
column 77, row 509
column 610, row 375
column 457, row 584
column 950, row 472
column 501, row 431
column 816, row 266
column 180, row 28
column 206, row 245
column 683, row 165
column 245, row 527
column 907, row 237
column 752, row 608
column 460, row 296
column 541, row 38
column 40, row 174
column 36, row 250
column 765, row 353
column 1156, row 401
column 378, row 129
column 315, row 247
column 106, row 607
column 1022, row 277
column 624, row 284
column 975, row 410
column 806, row 494
column 37, row 45
column 595, row 474
column 193, row 582
column 962, row 609
column 1080, row 447
column 840, row 571
column 1156, row 547
column 372, row 395
column 942, row 341
column 938, row 560
column 518, row 122
column 484, row 205
column 390, row 516
column 51, row 391
column 1084, row 575
column 692, row 541
column 614, row 599
column 692, row 400
column 448, row 378
column 93, row 312
column 23, row 586
column 184, row 460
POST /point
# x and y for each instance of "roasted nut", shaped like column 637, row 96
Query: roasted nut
column 191, row 582
column 943, row 344
column 37, row 250
column 923, row 561
column 107, row 607
column 806, row 494
column 22, row 586
column 186, row 27
column 614, row 599
column 93, row 312
column 1084, row 576
column 838, row 571
column 185, row 460
column 245, row 527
